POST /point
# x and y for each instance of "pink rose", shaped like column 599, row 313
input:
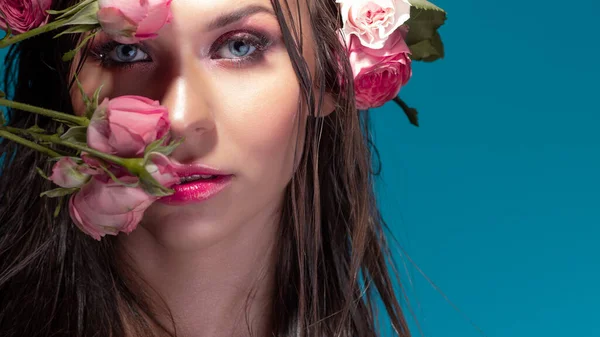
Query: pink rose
column 23, row 15
column 67, row 173
column 379, row 73
column 373, row 21
column 103, row 206
column 124, row 126
column 93, row 166
column 130, row 21
column 163, row 170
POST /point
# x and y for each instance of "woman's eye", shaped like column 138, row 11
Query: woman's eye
column 126, row 53
column 241, row 47
column 236, row 49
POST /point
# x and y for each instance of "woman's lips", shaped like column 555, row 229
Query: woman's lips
column 196, row 191
column 195, row 186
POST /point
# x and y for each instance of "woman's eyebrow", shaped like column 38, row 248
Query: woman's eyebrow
column 237, row 15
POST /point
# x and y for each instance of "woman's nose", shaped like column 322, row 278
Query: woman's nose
column 191, row 113
column 189, row 109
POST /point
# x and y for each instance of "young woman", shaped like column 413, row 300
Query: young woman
column 290, row 242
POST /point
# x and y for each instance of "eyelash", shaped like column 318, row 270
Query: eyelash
column 255, row 39
column 101, row 52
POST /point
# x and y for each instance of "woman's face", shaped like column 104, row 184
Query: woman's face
column 222, row 70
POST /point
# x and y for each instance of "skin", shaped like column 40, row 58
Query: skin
column 205, row 259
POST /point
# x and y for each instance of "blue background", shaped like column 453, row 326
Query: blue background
column 495, row 196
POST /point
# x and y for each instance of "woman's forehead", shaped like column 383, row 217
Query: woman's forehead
column 194, row 19
column 214, row 13
column 201, row 10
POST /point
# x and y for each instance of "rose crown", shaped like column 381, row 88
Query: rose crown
column 382, row 38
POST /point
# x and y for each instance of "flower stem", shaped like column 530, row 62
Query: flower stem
column 71, row 54
column 28, row 143
column 105, row 156
column 31, row 33
column 82, row 121
column 134, row 165
column 26, row 132
column 411, row 113
column 55, row 139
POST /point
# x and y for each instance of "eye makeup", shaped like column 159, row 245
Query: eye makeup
column 102, row 52
column 257, row 42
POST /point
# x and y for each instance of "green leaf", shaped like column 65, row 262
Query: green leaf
column 428, row 50
column 2, row 94
column 68, row 56
column 90, row 104
column 96, row 97
column 53, row 12
column 77, row 134
column 153, row 146
column 156, row 147
column 423, row 24
column 59, row 192
column 86, row 15
column 36, row 129
column 84, row 96
column 152, row 186
column 169, row 149
column 61, row 201
column 69, row 11
column 71, row 54
column 42, row 173
column 76, row 30
column 424, row 4
column 423, row 38
column 67, row 123
column 137, row 167
column 93, row 104
column 117, row 180
column 60, row 130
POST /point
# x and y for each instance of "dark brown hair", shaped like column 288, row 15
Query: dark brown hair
column 333, row 258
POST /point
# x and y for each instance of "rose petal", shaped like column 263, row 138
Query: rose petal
column 24, row 15
column 116, row 24
column 103, row 207
column 158, row 15
column 126, row 125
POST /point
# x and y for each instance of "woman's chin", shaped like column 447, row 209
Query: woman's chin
column 178, row 231
column 196, row 226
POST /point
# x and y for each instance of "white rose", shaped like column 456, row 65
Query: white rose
column 373, row 21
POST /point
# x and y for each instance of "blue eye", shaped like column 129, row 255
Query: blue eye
column 126, row 53
column 238, row 48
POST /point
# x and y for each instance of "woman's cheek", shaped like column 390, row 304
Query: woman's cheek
column 270, row 112
column 261, row 118
column 91, row 78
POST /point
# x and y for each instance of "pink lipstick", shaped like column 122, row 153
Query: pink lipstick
column 197, row 184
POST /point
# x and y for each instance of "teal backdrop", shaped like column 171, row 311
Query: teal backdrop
column 495, row 197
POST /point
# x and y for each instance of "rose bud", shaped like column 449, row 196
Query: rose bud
column 131, row 21
column 125, row 125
